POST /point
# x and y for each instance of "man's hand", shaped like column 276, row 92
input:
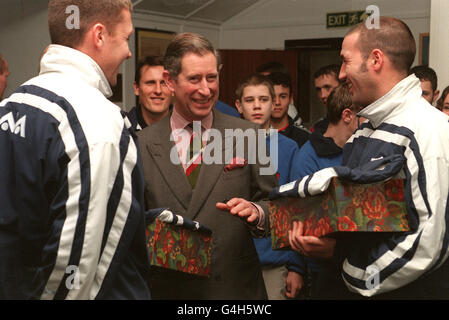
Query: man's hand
column 242, row 208
column 294, row 284
column 310, row 246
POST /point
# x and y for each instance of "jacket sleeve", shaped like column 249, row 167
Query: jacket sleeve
column 296, row 263
column 384, row 265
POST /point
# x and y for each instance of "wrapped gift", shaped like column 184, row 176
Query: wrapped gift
column 343, row 207
column 177, row 248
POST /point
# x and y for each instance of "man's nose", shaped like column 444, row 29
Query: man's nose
column 277, row 101
column 204, row 88
column 158, row 89
column 257, row 104
column 342, row 74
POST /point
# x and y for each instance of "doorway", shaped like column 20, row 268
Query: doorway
column 311, row 55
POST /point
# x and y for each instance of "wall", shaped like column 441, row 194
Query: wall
column 269, row 23
column 23, row 38
column 439, row 42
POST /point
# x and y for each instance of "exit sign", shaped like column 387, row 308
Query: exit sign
column 345, row 19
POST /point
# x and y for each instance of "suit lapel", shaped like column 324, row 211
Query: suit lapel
column 209, row 173
column 161, row 148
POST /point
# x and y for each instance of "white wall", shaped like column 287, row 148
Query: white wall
column 439, row 42
column 23, row 37
column 269, row 23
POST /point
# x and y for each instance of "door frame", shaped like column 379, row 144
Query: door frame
column 304, row 48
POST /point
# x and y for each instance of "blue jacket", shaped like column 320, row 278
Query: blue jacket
column 287, row 161
column 227, row 109
column 136, row 118
column 318, row 153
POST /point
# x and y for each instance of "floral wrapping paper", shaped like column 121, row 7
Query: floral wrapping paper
column 179, row 249
column 344, row 207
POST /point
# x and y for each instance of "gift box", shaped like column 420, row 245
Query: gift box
column 343, row 207
column 180, row 249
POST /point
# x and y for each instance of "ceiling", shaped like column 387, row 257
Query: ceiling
column 210, row 11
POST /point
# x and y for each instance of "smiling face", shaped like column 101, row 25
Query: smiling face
column 196, row 87
column 116, row 49
column 355, row 72
column 281, row 102
column 154, row 95
column 256, row 105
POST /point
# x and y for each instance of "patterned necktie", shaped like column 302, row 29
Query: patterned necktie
column 194, row 157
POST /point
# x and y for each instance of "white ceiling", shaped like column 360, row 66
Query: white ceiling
column 210, row 11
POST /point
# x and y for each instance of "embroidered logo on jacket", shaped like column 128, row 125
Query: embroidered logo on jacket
column 7, row 122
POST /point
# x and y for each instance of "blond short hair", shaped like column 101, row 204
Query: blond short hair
column 107, row 12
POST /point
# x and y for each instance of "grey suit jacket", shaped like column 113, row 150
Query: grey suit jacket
column 235, row 269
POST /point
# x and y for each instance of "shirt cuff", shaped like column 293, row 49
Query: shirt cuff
column 261, row 223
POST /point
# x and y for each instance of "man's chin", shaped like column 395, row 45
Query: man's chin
column 277, row 115
column 200, row 113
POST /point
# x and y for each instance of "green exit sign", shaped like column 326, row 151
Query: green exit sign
column 345, row 19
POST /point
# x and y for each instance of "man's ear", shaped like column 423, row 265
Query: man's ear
column 238, row 105
column 376, row 59
column 169, row 81
column 347, row 115
column 436, row 94
column 98, row 35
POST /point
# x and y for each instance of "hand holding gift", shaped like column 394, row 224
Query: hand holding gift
column 310, row 246
column 344, row 207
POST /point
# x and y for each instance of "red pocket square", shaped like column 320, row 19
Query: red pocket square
column 237, row 162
